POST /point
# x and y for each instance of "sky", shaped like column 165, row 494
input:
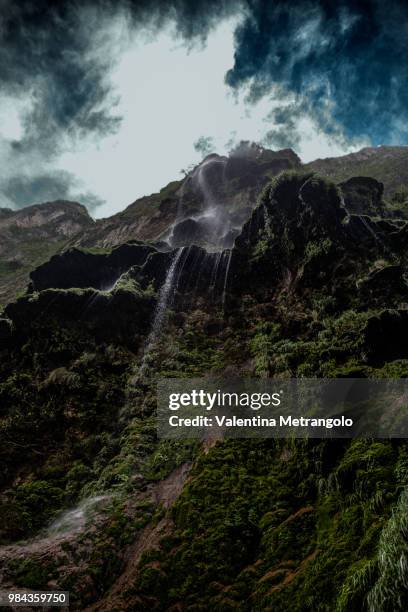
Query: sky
column 105, row 102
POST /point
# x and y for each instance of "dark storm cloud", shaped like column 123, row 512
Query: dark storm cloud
column 285, row 134
column 24, row 190
column 57, row 56
column 342, row 63
column 49, row 51
column 345, row 62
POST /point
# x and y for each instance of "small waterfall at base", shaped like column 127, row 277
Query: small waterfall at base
column 224, row 291
column 74, row 520
column 165, row 296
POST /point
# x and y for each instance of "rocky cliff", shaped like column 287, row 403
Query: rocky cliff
column 387, row 164
column 31, row 235
column 208, row 207
column 310, row 286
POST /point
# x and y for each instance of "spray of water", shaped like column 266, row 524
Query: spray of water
column 214, row 274
column 224, row 291
column 165, row 295
column 74, row 520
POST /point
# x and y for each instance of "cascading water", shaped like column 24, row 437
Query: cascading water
column 214, row 275
column 165, row 296
column 211, row 227
column 214, row 216
column 73, row 520
column 69, row 524
column 224, row 291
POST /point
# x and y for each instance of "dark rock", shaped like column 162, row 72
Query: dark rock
column 241, row 168
column 6, row 329
column 322, row 203
column 162, row 246
column 189, row 231
column 80, row 268
column 227, row 241
column 386, row 336
column 363, row 196
column 126, row 312
column 155, row 268
column 386, row 281
column 381, row 235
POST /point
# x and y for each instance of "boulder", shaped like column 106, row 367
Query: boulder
column 363, row 196
column 386, row 336
column 388, row 281
column 188, row 232
column 80, row 268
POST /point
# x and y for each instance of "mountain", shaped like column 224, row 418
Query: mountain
column 235, row 181
column 31, row 235
column 93, row 502
column 387, row 164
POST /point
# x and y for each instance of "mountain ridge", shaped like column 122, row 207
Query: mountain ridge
column 33, row 234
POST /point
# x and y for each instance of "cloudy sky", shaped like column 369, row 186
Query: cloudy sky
column 105, row 101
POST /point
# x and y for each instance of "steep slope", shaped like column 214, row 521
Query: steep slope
column 387, row 164
column 309, row 289
column 219, row 192
column 31, row 235
column 233, row 181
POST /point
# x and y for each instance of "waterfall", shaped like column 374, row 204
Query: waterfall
column 224, row 291
column 208, row 195
column 165, row 295
column 199, row 270
column 73, row 520
column 179, row 213
column 70, row 523
column 213, row 215
column 214, row 274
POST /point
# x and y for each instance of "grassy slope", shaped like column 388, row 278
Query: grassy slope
column 386, row 164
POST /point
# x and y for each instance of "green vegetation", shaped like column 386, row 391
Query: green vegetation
column 259, row 524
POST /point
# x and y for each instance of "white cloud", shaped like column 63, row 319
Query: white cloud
column 168, row 97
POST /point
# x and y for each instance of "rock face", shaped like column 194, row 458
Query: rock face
column 124, row 312
column 308, row 289
column 31, row 235
column 228, row 186
column 386, row 164
column 363, row 196
column 229, row 183
column 6, row 330
column 79, row 268
column 189, row 231
column 300, row 236
column 50, row 221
